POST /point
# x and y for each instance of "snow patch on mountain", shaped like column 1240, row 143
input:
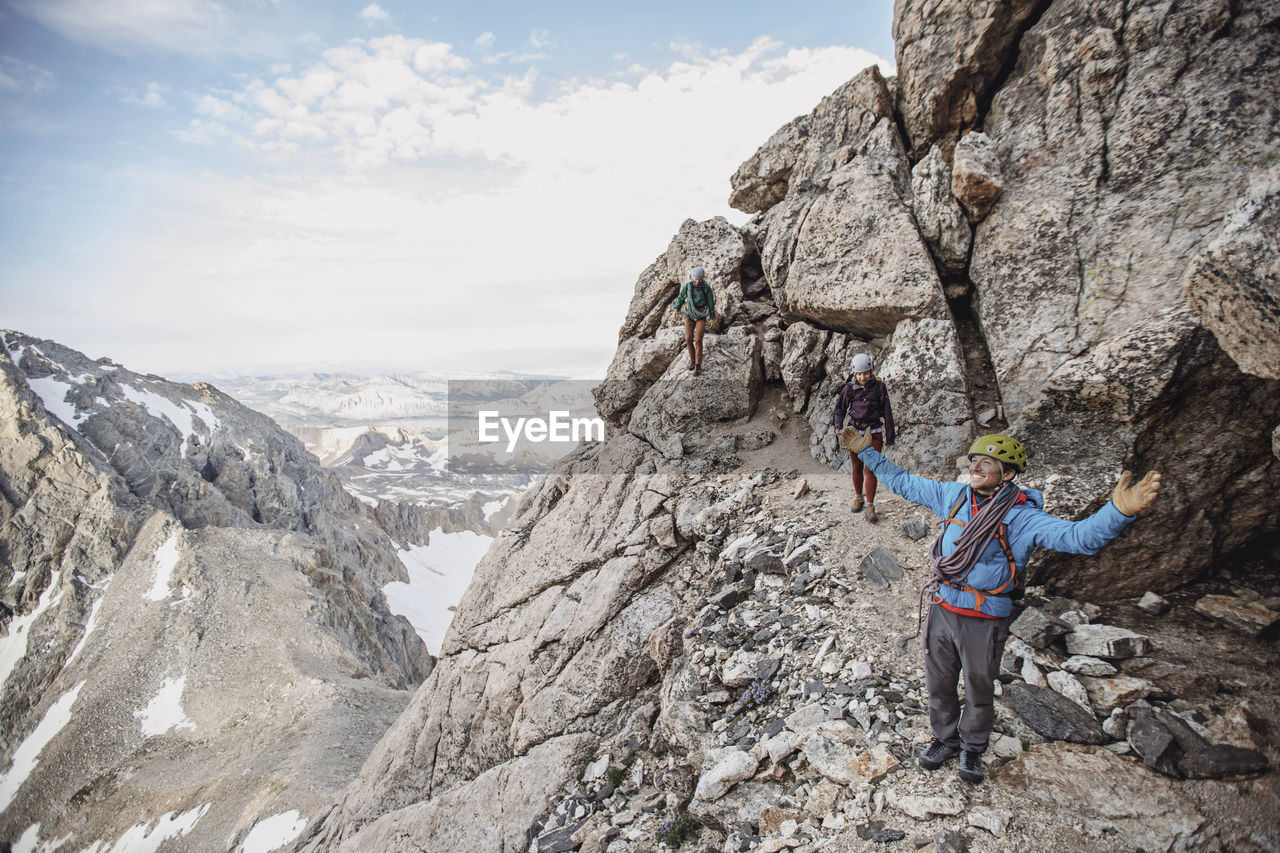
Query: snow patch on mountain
column 148, row 836
column 53, row 393
column 273, row 833
column 27, row 755
column 439, row 573
column 183, row 417
column 89, row 625
column 13, row 647
column 164, row 711
column 491, row 507
column 167, row 556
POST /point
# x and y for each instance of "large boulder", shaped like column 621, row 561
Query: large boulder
column 762, row 181
column 1143, row 810
column 682, row 403
column 856, row 262
column 1126, row 140
column 949, row 57
column 941, row 220
column 855, row 121
column 803, row 357
column 977, row 178
column 1162, row 395
column 713, row 244
column 637, row 364
column 925, row 372
column 1234, row 284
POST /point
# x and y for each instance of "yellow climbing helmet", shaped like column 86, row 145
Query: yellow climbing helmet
column 1002, row 448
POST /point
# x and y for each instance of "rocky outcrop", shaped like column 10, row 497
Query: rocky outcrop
column 1110, row 111
column 681, row 404
column 187, row 591
column 1234, row 284
column 950, row 56
column 552, row 637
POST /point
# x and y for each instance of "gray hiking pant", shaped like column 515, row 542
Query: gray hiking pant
column 953, row 642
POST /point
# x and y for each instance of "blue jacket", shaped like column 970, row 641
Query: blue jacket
column 1028, row 526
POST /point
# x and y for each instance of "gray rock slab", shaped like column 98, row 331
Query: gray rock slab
column 1037, row 628
column 880, row 567
column 1054, row 716
column 1106, row 641
column 1085, row 665
column 1247, row 617
column 914, row 527
column 1152, row 603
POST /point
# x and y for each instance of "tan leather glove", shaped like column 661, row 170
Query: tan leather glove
column 1131, row 498
column 854, row 441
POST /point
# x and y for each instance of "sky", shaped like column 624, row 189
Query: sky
column 215, row 187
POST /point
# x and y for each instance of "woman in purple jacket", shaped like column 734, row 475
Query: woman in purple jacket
column 864, row 403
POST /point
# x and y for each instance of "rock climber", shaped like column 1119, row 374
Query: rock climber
column 699, row 304
column 989, row 528
column 863, row 403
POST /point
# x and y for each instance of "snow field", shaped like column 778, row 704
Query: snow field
column 273, row 832
column 164, row 711
column 439, row 573
column 27, row 755
column 13, row 646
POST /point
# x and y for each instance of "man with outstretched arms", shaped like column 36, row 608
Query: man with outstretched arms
column 989, row 528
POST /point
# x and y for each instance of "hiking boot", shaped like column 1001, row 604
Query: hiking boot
column 933, row 755
column 871, row 514
column 697, row 370
column 858, row 503
column 970, row 769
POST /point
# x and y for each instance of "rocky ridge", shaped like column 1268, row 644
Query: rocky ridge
column 192, row 609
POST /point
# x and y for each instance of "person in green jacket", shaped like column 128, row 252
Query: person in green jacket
column 699, row 306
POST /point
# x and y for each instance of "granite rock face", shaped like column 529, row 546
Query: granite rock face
column 940, row 218
column 164, row 549
column 1234, row 284
column 949, row 55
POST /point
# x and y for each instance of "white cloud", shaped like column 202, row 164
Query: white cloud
column 540, row 38
column 485, row 40
column 153, row 97
column 19, row 77
column 375, row 14
column 464, row 206
column 214, row 107
column 396, row 99
column 171, row 25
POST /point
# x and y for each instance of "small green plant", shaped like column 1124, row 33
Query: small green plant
column 756, row 694
column 678, row 830
column 614, row 777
